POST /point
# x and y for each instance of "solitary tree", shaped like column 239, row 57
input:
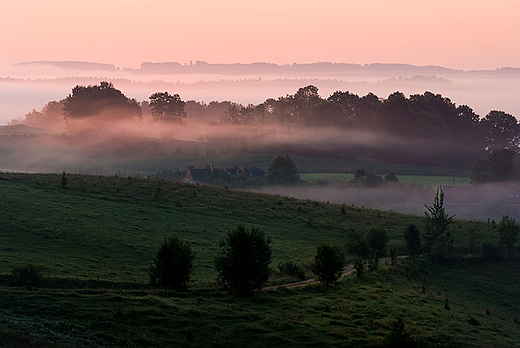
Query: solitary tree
column 244, row 259
column 167, row 107
column 438, row 237
column 509, row 229
column 173, row 264
column 283, row 171
column 328, row 263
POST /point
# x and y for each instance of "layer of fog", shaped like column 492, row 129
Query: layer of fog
column 481, row 202
column 22, row 90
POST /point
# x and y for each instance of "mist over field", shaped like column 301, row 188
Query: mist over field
column 435, row 132
column 479, row 203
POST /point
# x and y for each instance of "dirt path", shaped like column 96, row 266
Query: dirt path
column 348, row 269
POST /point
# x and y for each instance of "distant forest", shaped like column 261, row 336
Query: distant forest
column 424, row 127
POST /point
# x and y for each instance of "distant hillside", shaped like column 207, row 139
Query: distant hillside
column 263, row 68
column 322, row 68
column 70, row 65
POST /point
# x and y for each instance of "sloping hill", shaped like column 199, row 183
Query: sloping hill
column 108, row 228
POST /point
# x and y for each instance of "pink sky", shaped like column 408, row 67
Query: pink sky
column 464, row 34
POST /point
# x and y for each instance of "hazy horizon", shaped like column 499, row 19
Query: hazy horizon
column 460, row 35
column 30, row 86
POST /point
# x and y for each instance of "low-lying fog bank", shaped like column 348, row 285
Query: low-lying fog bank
column 472, row 203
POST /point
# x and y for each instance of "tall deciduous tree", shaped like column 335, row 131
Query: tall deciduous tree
column 167, row 107
column 501, row 130
column 102, row 101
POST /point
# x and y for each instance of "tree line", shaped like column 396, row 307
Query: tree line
column 432, row 122
column 427, row 115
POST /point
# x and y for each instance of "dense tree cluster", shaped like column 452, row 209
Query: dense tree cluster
column 425, row 129
column 427, row 117
column 102, row 100
column 50, row 116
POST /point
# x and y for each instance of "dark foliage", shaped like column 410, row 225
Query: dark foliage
column 373, row 261
column 413, row 240
column 391, row 178
column 508, row 230
column 282, row 171
column 491, row 251
column 328, row 263
column 378, row 240
column 167, row 107
column 438, row 237
column 399, row 337
column 392, row 250
column 291, row 268
column 103, row 101
column 357, row 244
column 359, row 266
column 173, row 264
column 499, row 166
column 28, row 275
column 243, row 261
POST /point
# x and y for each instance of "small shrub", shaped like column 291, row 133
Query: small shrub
column 291, row 268
column 378, row 240
column 508, row 230
column 343, row 210
column 244, row 259
column 474, row 233
column 399, row 337
column 413, row 240
column 357, row 244
column 373, row 261
column 328, row 265
column 392, row 249
column 173, row 264
column 491, row 252
column 28, row 275
column 359, row 266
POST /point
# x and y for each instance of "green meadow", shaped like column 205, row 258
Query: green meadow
column 97, row 236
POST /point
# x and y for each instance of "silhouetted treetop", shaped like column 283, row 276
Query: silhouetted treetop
column 167, row 107
column 501, row 130
column 102, row 101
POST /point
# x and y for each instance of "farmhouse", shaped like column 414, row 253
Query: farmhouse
column 197, row 176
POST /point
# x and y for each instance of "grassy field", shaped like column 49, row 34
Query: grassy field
column 424, row 180
column 96, row 239
column 482, row 299
column 108, row 228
